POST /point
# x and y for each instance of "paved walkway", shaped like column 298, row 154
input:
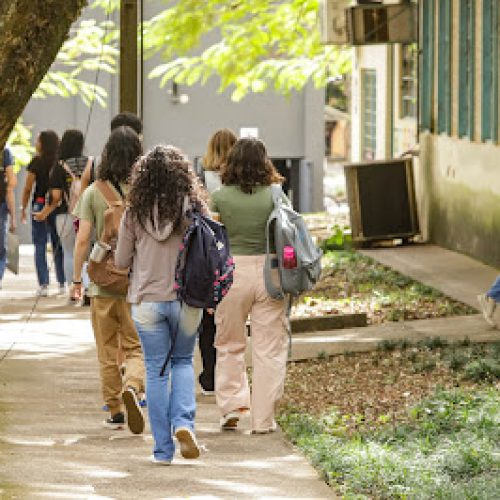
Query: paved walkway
column 53, row 444
column 457, row 275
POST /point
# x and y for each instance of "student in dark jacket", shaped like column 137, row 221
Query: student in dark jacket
column 35, row 194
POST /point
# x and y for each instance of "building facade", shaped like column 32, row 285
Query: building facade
column 456, row 116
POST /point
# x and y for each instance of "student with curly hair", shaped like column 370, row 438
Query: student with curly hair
column 111, row 318
column 163, row 187
column 244, row 204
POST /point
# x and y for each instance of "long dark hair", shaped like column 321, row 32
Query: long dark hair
column 119, row 155
column 161, row 181
column 248, row 166
column 71, row 144
column 49, row 147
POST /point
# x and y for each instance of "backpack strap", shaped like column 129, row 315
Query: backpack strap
column 110, row 196
column 277, row 194
column 274, row 291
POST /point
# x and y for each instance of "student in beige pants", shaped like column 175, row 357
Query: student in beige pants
column 244, row 204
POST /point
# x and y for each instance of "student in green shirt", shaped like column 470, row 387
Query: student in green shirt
column 244, row 204
column 111, row 316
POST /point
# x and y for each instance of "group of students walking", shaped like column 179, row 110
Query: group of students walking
column 158, row 188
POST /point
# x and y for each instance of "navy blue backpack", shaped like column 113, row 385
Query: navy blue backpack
column 205, row 267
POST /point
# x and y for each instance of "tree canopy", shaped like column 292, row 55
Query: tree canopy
column 257, row 44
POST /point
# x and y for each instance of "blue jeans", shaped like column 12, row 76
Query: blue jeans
column 494, row 291
column 40, row 232
column 4, row 216
column 170, row 405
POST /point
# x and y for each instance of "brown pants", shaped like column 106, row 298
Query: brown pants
column 113, row 326
column 269, row 345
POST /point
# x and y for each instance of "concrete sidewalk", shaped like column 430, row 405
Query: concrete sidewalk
column 458, row 276
column 53, row 444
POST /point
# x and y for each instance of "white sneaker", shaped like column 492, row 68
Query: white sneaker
column 229, row 422
column 43, row 291
column 159, row 461
column 488, row 306
column 62, row 290
column 273, row 428
column 187, row 441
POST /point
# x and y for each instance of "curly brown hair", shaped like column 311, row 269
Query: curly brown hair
column 248, row 166
column 160, row 182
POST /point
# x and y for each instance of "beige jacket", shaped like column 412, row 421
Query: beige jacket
column 151, row 252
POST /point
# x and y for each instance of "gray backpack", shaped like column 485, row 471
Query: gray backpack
column 290, row 230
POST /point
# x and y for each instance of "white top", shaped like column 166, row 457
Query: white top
column 212, row 180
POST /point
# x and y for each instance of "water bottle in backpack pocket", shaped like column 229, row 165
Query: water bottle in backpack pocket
column 299, row 259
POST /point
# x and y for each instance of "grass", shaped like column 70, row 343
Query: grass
column 400, row 437
column 352, row 282
column 448, row 449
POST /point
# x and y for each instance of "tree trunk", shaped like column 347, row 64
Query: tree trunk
column 31, row 34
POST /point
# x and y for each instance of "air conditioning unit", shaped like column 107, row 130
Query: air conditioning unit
column 378, row 23
column 381, row 196
column 333, row 21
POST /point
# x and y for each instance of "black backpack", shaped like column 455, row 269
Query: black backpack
column 205, row 267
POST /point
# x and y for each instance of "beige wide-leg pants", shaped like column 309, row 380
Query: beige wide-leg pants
column 269, row 345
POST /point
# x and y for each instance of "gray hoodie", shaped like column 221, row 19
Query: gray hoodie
column 152, row 254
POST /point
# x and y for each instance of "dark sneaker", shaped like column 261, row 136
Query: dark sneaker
column 187, row 442
column 117, row 421
column 229, row 422
column 135, row 418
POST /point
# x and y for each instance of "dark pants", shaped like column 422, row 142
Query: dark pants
column 41, row 231
column 207, row 350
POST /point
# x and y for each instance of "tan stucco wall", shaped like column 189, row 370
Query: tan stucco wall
column 459, row 195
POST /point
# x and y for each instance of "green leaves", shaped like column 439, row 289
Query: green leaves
column 254, row 45
column 90, row 48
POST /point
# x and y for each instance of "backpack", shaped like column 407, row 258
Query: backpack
column 76, row 185
column 104, row 273
column 205, row 267
column 290, row 231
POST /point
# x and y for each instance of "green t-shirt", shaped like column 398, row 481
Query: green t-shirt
column 91, row 207
column 245, row 217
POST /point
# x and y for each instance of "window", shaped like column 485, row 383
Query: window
column 369, row 124
column 489, row 74
column 444, row 67
column 427, row 65
column 409, row 81
column 466, row 69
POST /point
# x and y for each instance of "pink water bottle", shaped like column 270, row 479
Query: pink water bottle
column 289, row 257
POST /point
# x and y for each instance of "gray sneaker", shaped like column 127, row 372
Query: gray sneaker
column 488, row 306
column 43, row 291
